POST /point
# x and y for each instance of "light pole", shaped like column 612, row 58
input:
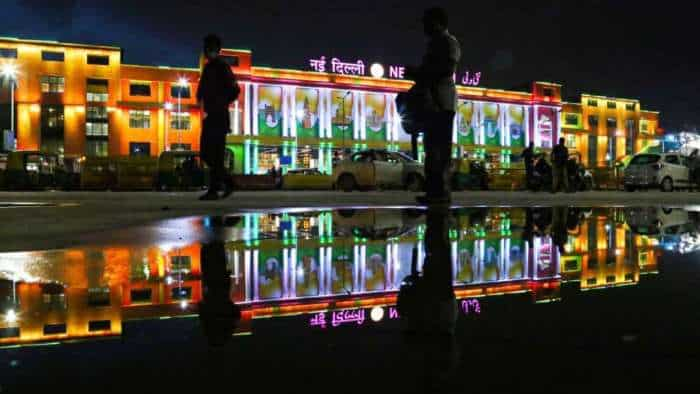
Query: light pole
column 168, row 110
column 182, row 82
column 9, row 71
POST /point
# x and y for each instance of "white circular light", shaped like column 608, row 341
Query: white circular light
column 183, row 304
column 168, row 106
column 377, row 313
column 11, row 316
column 377, row 70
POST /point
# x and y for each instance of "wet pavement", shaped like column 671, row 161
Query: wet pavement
column 486, row 299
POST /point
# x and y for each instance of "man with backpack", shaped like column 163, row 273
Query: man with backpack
column 560, row 157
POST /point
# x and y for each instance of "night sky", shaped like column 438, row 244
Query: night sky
column 612, row 48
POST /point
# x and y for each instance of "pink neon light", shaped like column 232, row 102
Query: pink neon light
column 471, row 81
column 393, row 313
column 471, row 306
column 348, row 316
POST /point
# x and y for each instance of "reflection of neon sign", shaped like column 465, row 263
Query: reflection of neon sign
column 357, row 315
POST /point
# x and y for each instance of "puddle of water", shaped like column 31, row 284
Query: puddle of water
column 501, row 278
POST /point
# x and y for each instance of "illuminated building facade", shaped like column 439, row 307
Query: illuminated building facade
column 310, row 262
column 80, row 100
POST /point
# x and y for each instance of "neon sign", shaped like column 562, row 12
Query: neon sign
column 377, row 70
column 357, row 316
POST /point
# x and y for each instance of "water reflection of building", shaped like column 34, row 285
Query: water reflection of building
column 305, row 262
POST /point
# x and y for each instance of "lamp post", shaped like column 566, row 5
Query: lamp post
column 9, row 71
column 168, row 110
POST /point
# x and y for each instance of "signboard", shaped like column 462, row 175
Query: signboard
column 306, row 112
column 342, row 114
column 270, row 110
column 546, row 126
column 491, row 127
column 375, row 116
column 516, row 125
column 465, row 123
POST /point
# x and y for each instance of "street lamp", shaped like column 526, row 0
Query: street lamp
column 9, row 71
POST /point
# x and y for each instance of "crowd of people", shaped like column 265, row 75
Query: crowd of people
column 539, row 173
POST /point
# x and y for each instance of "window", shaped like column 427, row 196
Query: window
column 592, row 103
column 230, row 60
column 180, row 264
column 570, row 141
column 52, row 117
column 139, row 119
column 96, row 129
column 53, row 329
column 139, row 149
column 571, row 119
column 180, row 91
column 98, row 296
column 547, row 92
column 571, row 265
column 672, row 159
column 610, row 279
column 9, row 332
column 611, row 123
column 96, row 112
column 629, row 107
column 141, row 296
column 98, row 60
column 99, row 325
column 49, row 56
column 140, row 89
column 645, row 126
column 612, row 105
column 96, row 148
column 630, row 125
column 178, row 146
column 592, row 121
column 591, row 281
column 645, row 159
column 97, row 90
column 180, row 121
column 629, row 277
column 52, row 84
column 8, row 53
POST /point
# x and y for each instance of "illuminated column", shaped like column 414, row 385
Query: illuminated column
column 481, row 125
column 256, row 281
column 526, row 121
column 285, row 273
column 502, row 260
column 363, row 117
column 481, row 250
column 254, row 158
column 363, row 267
column 355, row 268
column 536, row 243
column 246, row 157
column 388, row 115
column 236, row 118
column 558, row 120
column 293, row 271
column 501, row 123
column 328, row 111
column 246, row 108
column 526, row 260
column 387, row 266
column 536, row 129
column 454, row 129
column 506, row 125
column 355, row 116
column 420, row 256
column 293, row 100
column 454, row 257
column 246, row 269
column 285, row 112
column 255, row 109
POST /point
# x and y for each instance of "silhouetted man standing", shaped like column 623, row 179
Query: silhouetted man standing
column 528, row 156
column 217, row 90
column 436, row 74
column 560, row 156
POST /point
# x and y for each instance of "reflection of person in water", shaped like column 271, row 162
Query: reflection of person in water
column 560, row 234
column 217, row 313
column 428, row 307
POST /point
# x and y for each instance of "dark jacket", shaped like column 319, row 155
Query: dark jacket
column 560, row 154
column 217, row 89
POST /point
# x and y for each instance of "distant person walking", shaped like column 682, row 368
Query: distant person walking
column 217, row 90
column 436, row 75
column 528, row 156
column 560, row 157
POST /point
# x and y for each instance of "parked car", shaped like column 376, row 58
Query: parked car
column 306, row 179
column 379, row 169
column 667, row 171
column 31, row 170
column 469, row 175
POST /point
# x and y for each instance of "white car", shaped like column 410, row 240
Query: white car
column 667, row 171
column 378, row 169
